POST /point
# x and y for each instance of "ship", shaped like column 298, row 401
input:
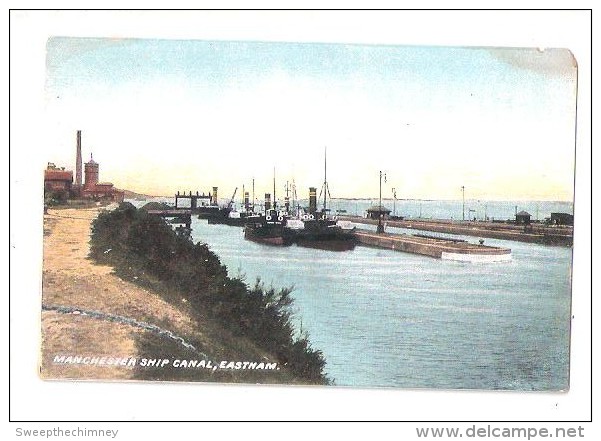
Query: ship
column 306, row 227
column 229, row 215
column 317, row 229
column 234, row 218
column 207, row 212
column 325, row 233
column 270, row 226
column 269, row 229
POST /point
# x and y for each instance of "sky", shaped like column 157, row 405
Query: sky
column 167, row 115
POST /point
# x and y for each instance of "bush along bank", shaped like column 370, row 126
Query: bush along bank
column 134, row 242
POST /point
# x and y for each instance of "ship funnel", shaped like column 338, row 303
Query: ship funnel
column 267, row 202
column 246, row 200
column 215, row 196
column 312, row 200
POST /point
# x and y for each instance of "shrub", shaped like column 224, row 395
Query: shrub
column 133, row 240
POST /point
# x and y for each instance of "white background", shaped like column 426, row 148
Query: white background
column 33, row 399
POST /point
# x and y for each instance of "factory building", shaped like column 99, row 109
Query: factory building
column 91, row 174
column 94, row 189
column 57, row 179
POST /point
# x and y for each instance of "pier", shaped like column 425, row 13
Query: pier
column 434, row 247
column 204, row 199
column 532, row 233
column 171, row 212
column 175, row 216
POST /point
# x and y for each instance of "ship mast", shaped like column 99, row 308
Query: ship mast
column 274, row 205
column 325, row 176
column 287, row 199
column 325, row 188
column 294, row 198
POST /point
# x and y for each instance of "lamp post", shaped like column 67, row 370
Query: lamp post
column 380, row 228
column 463, row 196
column 394, row 202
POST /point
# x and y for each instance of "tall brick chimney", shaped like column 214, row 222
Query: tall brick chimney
column 78, row 161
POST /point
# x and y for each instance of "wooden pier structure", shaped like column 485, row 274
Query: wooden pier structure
column 441, row 248
column 199, row 203
column 205, row 199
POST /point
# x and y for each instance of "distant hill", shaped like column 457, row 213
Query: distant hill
column 128, row 194
column 156, row 206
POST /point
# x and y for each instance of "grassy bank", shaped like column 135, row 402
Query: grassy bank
column 146, row 250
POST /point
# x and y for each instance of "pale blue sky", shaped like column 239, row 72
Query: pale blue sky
column 166, row 115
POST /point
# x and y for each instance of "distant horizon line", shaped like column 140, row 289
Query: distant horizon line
column 392, row 199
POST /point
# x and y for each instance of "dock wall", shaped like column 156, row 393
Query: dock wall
column 538, row 234
column 438, row 248
column 392, row 243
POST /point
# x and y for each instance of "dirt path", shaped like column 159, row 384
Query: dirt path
column 71, row 279
column 90, row 312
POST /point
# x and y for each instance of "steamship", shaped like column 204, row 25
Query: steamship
column 234, row 218
column 316, row 229
column 326, row 234
column 312, row 228
column 230, row 216
column 270, row 227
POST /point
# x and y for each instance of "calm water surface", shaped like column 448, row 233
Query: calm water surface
column 386, row 318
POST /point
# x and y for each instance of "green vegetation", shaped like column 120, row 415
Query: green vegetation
column 136, row 243
column 55, row 197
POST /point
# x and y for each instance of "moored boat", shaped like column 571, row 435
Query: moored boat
column 234, row 218
column 319, row 229
column 269, row 229
column 325, row 233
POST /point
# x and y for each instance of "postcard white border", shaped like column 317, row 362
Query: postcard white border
column 93, row 401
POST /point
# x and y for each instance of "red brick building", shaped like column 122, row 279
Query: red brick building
column 98, row 190
column 57, row 179
column 58, row 182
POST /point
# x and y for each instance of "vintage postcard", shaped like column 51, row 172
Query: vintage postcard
column 308, row 214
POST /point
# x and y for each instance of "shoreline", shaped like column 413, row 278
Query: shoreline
column 90, row 312
column 71, row 279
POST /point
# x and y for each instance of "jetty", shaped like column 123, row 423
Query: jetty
column 442, row 248
column 533, row 233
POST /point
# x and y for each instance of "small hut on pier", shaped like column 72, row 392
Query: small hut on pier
column 378, row 211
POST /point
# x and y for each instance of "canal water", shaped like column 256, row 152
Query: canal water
column 392, row 319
